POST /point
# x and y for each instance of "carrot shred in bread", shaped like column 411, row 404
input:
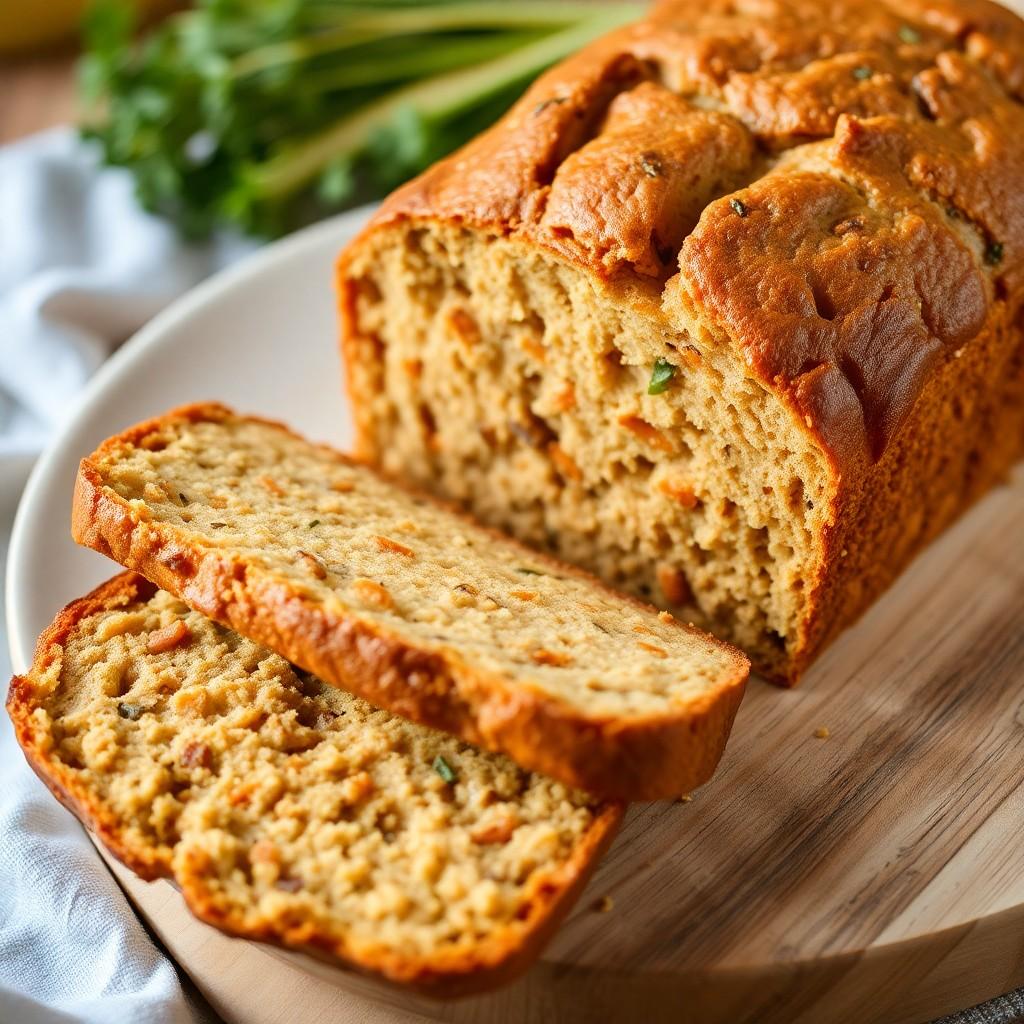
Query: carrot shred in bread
column 168, row 637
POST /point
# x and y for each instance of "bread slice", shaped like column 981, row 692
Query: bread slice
column 293, row 812
column 403, row 602
column 726, row 309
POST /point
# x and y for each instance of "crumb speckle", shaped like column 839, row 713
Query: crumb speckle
column 168, row 637
column 822, row 732
column 658, row 652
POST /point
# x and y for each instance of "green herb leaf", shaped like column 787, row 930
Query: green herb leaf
column 661, row 377
column 338, row 181
column 445, row 770
column 312, row 523
column 739, row 207
column 268, row 115
column 909, row 35
column 528, row 572
column 994, row 253
column 133, row 712
column 862, row 72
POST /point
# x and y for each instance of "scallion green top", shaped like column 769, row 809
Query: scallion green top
column 266, row 115
column 661, row 377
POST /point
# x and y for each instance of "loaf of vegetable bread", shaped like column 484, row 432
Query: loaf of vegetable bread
column 293, row 812
column 406, row 603
column 727, row 309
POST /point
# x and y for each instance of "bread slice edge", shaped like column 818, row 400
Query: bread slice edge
column 646, row 757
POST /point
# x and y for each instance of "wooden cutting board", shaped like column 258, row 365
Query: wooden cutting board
column 858, row 858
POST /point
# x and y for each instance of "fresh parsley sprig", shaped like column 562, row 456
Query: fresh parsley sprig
column 267, row 114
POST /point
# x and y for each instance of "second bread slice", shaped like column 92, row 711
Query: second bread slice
column 402, row 601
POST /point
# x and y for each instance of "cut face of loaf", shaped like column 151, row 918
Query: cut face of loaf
column 293, row 812
column 503, row 379
column 726, row 310
column 398, row 599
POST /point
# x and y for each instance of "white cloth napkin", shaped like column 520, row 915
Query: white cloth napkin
column 81, row 268
column 71, row 949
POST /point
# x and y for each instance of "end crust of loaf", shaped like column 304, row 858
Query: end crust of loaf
column 623, row 757
column 450, row 971
column 811, row 213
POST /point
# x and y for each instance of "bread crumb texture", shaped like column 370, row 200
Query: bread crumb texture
column 353, row 544
column 291, row 809
column 703, row 498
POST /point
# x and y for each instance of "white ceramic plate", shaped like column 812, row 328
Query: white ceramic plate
column 260, row 336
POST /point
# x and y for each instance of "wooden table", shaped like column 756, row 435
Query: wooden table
column 36, row 93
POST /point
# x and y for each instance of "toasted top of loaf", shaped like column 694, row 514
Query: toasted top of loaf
column 294, row 812
column 831, row 187
column 399, row 599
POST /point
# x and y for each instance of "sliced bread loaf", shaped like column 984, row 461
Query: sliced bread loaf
column 292, row 812
column 726, row 309
column 404, row 602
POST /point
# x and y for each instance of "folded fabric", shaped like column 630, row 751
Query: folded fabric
column 82, row 267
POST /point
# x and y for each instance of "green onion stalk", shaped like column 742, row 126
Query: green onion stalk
column 267, row 114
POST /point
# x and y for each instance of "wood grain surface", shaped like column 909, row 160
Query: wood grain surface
column 856, row 859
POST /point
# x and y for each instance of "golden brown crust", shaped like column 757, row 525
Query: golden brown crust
column 966, row 431
column 115, row 593
column 917, row 106
column 862, row 242
column 640, row 758
column 499, row 959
